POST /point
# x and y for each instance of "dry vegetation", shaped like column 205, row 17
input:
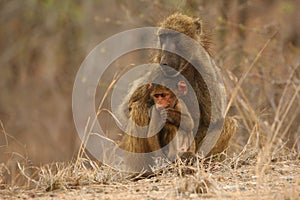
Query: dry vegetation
column 43, row 43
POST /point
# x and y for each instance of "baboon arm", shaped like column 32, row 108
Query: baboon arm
column 141, row 93
column 186, row 123
column 155, row 125
column 140, row 113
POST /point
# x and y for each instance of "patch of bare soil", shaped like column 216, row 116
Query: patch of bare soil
column 241, row 177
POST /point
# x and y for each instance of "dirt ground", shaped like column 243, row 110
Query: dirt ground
column 240, row 177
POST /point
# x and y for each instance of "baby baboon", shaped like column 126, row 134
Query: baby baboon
column 177, row 135
column 207, row 86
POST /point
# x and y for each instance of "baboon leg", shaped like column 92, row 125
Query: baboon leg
column 228, row 131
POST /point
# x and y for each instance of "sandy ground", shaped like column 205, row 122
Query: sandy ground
column 279, row 179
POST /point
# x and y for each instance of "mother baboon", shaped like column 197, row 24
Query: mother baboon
column 137, row 105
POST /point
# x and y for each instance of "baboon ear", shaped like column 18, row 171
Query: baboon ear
column 198, row 25
column 182, row 88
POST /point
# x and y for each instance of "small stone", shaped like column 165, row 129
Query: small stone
column 155, row 188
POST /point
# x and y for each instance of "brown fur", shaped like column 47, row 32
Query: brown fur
column 189, row 26
column 229, row 129
column 140, row 101
column 180, row 139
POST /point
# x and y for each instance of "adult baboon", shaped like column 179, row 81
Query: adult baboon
column 207, row 86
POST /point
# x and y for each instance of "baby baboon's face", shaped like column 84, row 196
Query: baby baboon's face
column 163, row 97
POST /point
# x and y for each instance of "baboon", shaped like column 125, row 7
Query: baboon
column 177, row 135
column 138, row 102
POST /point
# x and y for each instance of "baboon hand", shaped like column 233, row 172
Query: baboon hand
column 163, row 115
column 173, row 116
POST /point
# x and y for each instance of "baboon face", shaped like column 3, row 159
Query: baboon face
column 169, row 61
column 163, row 97
column 172, row 36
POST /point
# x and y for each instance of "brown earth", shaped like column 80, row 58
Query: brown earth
column 241, row 177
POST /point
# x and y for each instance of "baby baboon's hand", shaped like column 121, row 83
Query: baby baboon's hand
column 173, row 116
column 163, row 115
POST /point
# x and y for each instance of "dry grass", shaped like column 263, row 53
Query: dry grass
column 249, row 175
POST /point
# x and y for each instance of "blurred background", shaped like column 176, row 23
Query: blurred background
column 44, row 42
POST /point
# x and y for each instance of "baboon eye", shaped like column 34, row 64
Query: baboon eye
column 162, row 36
column 162, row 95
column 156, row 95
